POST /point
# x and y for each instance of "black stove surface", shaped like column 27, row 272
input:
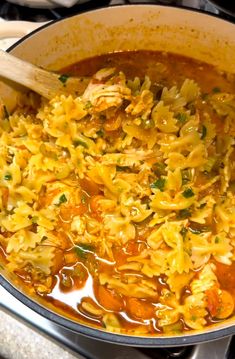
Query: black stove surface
column 9, row 11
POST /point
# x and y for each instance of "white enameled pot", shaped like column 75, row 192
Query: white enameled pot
column 132, row 27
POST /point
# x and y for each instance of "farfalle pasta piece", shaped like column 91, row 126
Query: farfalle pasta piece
column 141, row 105
column 130, row 287
column 190, row 90
column 22, row 240
column 164, row 119
column 40, row 258
column 119, row 228
column 19, row 219
column 172, row 98
column 164, row 201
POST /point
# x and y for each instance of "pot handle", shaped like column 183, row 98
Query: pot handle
column 17, row 29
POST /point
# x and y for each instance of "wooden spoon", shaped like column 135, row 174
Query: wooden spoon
column 45, row 83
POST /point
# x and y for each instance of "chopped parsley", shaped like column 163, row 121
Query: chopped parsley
column 8, row 177
column 199, row 229
column 159, row 169
column 195, row 230
column 186, row 176
column 181, row 117
column 188, row 192
column 83, row 199
column 217, row 239
column 202, row 205
column 204, row 96
column 147, row 123
column 6, row 113
column 183, row 232
column 184, row 213
column 88, row 105
column 80, row 143
column 34, row 219
column 204, row 132
column 82, row 250
column 159, row 183
column 100, row 133
column 62, row 199
column 63, row 78
column 216, row 90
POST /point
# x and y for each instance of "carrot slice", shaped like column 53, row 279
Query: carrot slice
column 109, row 299
column 140, row 309
column 226, row 305
column 94, row 203
column 67, row 212
column 112, row 124
column 212, row 297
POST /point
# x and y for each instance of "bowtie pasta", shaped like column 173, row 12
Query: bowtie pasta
column 118, row 205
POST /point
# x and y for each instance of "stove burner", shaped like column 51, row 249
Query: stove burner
column 9, row 11
column 17, row 12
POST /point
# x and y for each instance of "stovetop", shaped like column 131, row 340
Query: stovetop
column 85, row 347
column 10, row 11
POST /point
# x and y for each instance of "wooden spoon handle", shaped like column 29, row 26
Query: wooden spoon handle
column 43, row 82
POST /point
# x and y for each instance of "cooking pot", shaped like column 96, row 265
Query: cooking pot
column 150, row 27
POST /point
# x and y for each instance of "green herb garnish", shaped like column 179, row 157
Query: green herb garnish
column 88, row 105
column 159, row 183
column 80, row 143
column 6, row 113
column 202, row 205
column 186, row 176
column 204, row 132
column 195, row 230
column 83, row 199
column 181, row 117
column 199, row 230
column 147, row 123
column 63, row 78
column 217, row 239
column 100, row 133
column 62, row 199
column 184, row 213
column 82, row 250
column 183, row 232
column 34, row 219
column 8, row 177
column 159, row 169
column 188, row 192
column 216, row 90
column 204, row 96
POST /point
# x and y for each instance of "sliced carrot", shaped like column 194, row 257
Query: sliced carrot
column 67, row 212
column 212, row 296
column 5, row 195
column 109, row 299
column 139, row 308
column 226, row 305
column 112, row 124
column 89, row 186
column 94, row 203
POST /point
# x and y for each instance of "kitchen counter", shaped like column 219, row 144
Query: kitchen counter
column 17, row 341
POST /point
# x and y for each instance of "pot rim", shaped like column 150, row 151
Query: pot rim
column 96, row 333
column 101, row 8
column 116, row 338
